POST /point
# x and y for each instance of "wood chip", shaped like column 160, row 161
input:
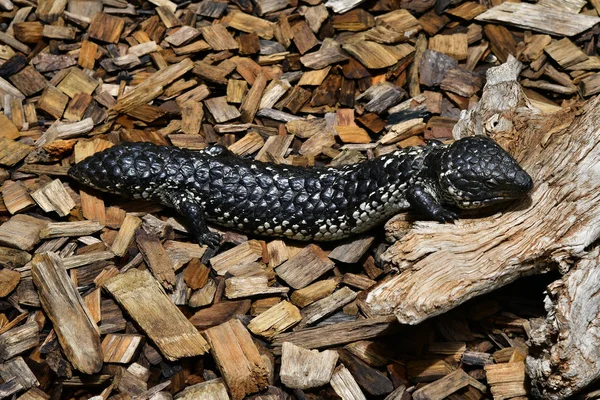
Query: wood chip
column 76, row 331
column 305, row 369
column 121, row 348
column 539, row 18
column 146, row 302
column 21, row 232
column 54, row 197
column 238, row 358
column 306, row 266
column 275, row 320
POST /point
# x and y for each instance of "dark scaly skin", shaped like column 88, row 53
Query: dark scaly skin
column 306, row 203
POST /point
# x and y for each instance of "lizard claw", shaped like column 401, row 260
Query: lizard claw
column 211, row 239
column 443, row 216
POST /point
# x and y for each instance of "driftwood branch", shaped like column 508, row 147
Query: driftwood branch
column 445, row 265
column 565, row 353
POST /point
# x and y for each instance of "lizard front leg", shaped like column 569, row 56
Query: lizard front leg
column 187, row 206
column 423, row 198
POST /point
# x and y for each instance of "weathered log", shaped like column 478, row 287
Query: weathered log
column 565, row 356
column 445, row 265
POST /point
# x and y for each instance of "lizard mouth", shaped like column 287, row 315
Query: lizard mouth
column 500, row 198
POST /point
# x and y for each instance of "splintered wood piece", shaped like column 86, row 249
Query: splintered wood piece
column 168, row 17
column 462, row 82
column 249, row 144
column 121, row 348
column 182, row 36
column 374, row 55
column 53, row 101
column 9, row 279
column 275, row 148
column 221, row 110
column 34, row 394
column 150, row 307
column 219, row 312
column 17, row 340
column 87, row 54
column 456, row 46
column 18, row 369
column 326, row 306
column 381, row 97
column 273, row 92
column 252, row 101
column 74, row 326
column 28, row 32
column 591, row 85
column 306, row 369
column 352, row 134
column 305, row 267
column 238, row 358
column 340, row 333
column 344, row 384
column 77, row 107
column 372, row 381
column 535, row 47
column 539, row 18
column 428, row 370
column 219, row 38
column 342, row 6
column 506, row 380
column 156, row 258
column 444, row 387
column 77, row 228
column 77, row 81
column 106, row 28
column 356, row 20
column 16, row 197
column 214, row 389
column 565, row 53
column 125, row 235
column 243, row 253
column 54, row 197
column 502, row 42
column 467, row 10
column 21, row 232
column 245, row 286
column 403, row 130
column 152, row 87
column 324, row 57
column 8, row 130
column 314, row 292
column 268, row 6
column 192, row 114
column 58, row 32
column 352, row 251
column 314, row 78
column 236, row 90
column 275, row 320
column 304, row 38
column 12, row 152
column 249, row 24
column 29, row 81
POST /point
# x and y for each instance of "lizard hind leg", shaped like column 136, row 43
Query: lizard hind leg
column 185, row 204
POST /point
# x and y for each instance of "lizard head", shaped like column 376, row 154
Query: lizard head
column 475, row 172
